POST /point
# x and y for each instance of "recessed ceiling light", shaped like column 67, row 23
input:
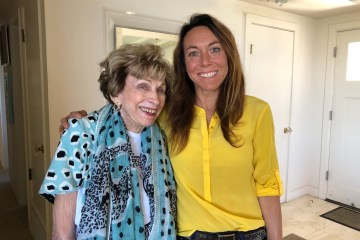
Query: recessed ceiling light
column 130, row 12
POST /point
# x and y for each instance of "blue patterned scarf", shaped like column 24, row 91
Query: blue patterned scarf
column 112, row 204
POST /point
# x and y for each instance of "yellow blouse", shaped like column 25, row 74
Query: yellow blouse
column 218, row 184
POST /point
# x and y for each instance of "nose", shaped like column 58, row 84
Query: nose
column 205, row 59
column 154, row 97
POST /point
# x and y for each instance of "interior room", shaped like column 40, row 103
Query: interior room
column 301, row 56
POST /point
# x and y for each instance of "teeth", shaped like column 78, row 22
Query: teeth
column 209, row 74
column 148, row 110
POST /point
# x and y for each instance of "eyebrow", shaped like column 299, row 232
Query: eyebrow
column 210, row 44
column 147, row 80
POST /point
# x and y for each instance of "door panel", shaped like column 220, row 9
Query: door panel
column 344, row 161
column 268, row 69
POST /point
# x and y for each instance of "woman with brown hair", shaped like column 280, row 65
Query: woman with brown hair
column 221, row 141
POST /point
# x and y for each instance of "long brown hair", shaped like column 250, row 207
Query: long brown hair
column 230, row 103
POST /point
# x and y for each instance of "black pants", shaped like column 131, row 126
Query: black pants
column 257, row 234
column 188, row 238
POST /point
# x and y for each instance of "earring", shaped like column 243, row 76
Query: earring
column 117, row 106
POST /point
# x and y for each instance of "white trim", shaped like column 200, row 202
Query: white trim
column 328, row 97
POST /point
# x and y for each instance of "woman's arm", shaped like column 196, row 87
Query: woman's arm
column 271, row 211
column 64, row 216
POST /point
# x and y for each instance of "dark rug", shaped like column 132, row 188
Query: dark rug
column 293, row 237
column 344, row 216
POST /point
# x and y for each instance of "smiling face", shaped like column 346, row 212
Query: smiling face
column 141, row 102
column 205, row 59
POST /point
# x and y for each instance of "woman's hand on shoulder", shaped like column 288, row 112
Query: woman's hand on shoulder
column 64, row 121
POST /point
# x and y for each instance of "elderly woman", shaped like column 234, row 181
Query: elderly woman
column 111, row 177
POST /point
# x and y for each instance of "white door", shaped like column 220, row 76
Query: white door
column 344, row 161
column 268, row 69
column 34, row 115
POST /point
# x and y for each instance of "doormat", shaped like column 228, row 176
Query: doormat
column 293, row 237
column 344, row 216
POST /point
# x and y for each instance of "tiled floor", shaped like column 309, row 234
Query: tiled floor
column 301, row 217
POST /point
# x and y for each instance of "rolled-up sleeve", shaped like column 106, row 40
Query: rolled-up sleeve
column 266, row 168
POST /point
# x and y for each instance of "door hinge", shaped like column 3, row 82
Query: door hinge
column 251, row 48
column 330, row 115
column 335, row 52
column 30, row 174
column 23, row 38
column 327, row 175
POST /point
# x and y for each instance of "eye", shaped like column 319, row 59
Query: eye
column 161, row 90
column 143, row 86
column 215, row 49
column 193, row 53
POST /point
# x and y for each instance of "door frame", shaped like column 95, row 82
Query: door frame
column 328, row 99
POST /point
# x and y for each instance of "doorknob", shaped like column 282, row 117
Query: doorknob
column 39, row 148
column 287, row 130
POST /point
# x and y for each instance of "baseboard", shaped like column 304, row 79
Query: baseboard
column 307, row 190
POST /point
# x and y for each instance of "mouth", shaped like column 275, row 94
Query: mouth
column 208, row 74
column 148, row 110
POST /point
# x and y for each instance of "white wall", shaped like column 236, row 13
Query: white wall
column 75, row 44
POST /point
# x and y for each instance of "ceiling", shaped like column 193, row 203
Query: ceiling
column 309, row 8
column 312, row 8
